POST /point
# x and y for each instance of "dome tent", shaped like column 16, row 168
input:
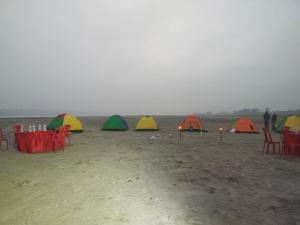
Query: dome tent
column 146, row 123
column 280, row 123
column 192, row 123
column 245, row 125
column 292, row 122
column 115, row 123
column 65, row 119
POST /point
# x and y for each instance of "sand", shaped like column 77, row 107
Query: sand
column 149, row 178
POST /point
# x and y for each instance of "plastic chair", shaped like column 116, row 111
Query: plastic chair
column 56, row 139
column 3, row 139
column 289, row 141
column 269, row 141
column 17, row 128
column 66, row 131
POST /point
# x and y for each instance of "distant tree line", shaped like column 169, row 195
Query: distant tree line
column 252, row 111
column 248, row 111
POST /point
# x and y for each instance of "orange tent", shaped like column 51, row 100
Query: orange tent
column 192, row 123
column 245, row 125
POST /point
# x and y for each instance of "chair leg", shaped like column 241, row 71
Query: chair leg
column 293, row 150
column 284, row 148
column 68, row 138
column 279, row 148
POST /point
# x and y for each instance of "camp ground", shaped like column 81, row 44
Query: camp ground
column 65, row 119
column 146, row 123
column 109, row 170
column 115, row 123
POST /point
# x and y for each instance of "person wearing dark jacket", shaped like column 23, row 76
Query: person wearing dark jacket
column 266, row 117
column 273, row 120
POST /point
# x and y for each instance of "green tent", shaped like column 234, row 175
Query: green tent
column 280, row 123
column 55, row 123
column 115, row 122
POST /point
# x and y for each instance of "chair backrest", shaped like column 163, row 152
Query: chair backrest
column 59, row 130
column 66, row 130
column 290, row 137
column 17, row 128
column 267, row 135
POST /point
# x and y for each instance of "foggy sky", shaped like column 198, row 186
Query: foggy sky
column 149, row 56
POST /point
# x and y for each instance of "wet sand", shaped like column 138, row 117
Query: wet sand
column 149, row 178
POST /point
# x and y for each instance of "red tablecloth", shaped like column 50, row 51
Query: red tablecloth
column 38, row 141
column 291, row 138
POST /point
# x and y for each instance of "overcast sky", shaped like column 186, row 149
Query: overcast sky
column 149, row 56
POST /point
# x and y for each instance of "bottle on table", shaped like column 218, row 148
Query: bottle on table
column 33, row 128
column 40, row 127
column 45, row 128
column 29, row 129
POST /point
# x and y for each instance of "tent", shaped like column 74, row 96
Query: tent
column 245, row 125
column 65, row 119
column 192, row 124
column 146, row 123
column 280, row 123
column 292, row 122
column 115, row 122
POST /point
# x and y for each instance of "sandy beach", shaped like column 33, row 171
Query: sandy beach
column 149, row 178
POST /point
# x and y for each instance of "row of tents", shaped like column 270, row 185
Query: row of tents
column 114, row 122
column 147, row 123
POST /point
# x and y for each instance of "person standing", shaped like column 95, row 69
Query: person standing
column 266, row 117
column 273, row 120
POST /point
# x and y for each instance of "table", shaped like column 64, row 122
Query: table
column 39, row 141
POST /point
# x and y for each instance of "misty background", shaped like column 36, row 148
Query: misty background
column 149, row 57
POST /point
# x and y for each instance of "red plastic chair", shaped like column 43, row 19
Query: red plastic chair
column 66, row 131
column 17, row 128
column 290, row 141
column 269, row 141
column 56, row 140
column 3, row 139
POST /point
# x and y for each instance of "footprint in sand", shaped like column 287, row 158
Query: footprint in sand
column 24, row 183
column 211, row 190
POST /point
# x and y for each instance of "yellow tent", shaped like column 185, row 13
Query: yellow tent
column 293, row 122
column 65, row 119
column 146, row 123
